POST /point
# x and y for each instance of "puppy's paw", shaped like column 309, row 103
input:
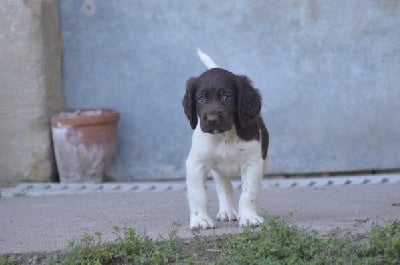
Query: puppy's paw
column 201, row 222
column 252, row 220
column 227, row 215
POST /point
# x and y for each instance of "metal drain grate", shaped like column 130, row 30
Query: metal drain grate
column 47, row 189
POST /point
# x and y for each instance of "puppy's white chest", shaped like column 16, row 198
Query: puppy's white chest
column 228, row 157
column 224, row 153
column 230, row 154
column 228, row 148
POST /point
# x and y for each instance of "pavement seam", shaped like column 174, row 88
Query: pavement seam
column 27, row 189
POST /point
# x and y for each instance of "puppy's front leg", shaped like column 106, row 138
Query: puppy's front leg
column 197, row 196
column 251, row 182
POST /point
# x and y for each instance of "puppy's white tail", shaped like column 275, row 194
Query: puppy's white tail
column 208, row 62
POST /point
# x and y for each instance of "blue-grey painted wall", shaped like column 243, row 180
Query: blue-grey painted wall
column 329, row 73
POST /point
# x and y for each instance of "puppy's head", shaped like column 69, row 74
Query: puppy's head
column 220, row 100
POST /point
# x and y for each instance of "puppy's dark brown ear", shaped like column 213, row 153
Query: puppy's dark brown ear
column 189, row 102
column 248, row 101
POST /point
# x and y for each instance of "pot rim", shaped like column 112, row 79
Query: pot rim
column 85, row 116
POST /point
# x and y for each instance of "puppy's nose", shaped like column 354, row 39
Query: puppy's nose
column 212, row 119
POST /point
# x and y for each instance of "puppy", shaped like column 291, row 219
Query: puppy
column 229, row 139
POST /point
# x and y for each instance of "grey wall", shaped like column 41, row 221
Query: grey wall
column 328, row 72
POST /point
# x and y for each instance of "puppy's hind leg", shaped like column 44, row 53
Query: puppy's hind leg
column 227, row 211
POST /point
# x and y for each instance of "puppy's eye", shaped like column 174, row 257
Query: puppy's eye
column 201, row 99
column 226, row 96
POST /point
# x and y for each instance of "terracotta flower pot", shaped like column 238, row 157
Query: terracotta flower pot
column 84, row 143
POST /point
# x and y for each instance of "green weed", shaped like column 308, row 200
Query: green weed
column 275, row 242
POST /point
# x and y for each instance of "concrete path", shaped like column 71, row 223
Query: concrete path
column 41, row 217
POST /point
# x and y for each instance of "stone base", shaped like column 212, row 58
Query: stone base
column 30, row 90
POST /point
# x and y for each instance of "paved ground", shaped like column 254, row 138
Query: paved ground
column 34, row 221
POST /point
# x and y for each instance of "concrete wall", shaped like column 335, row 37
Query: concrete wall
column 328, row 72
column 30, row 88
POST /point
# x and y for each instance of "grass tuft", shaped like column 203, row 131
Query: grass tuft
column 275, row 242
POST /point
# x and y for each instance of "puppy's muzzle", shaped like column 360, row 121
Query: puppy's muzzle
column 214, row 123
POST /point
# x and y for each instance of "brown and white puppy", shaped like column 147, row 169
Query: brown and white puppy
column 229, row 139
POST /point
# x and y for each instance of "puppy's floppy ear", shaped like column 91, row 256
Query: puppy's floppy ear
column 248, row 101
column 189, row 102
